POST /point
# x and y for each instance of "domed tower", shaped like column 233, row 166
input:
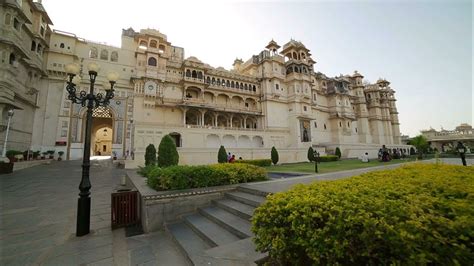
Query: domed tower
column 362, row 114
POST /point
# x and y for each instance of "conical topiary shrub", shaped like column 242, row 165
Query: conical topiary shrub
column 150, row 155
column 274, row 155
column 167, row 153
column 311, row 154
column 222, row 155
column 338, row 153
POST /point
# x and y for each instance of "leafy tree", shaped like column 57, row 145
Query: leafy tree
column 420, row 143
column 412, row 151
column 167, row 153
column 311, row 154
column 338, row 152
column 274, row 155
column 150, row 155
column 222, row 155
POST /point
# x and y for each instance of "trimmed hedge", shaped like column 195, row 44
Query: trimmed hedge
column 328, row 158
column 259, row 162
column 413, row 215
column 184, row 176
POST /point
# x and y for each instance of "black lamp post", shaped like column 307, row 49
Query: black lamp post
column 462, row 152
column 316, row 160
column 90, row 100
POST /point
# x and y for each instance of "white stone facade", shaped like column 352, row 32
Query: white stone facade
column 275, row 98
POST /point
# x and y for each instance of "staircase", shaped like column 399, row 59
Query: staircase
column 220, row 234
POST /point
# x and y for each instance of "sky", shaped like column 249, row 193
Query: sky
column 424, row 48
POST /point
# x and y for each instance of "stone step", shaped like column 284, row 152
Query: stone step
column 233, row 223
column 242, row 210
column 246, row 198
column 188, row 241
column 251, row 190
column 211, row 232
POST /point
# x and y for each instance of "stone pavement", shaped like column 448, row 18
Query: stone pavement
column 38, row 221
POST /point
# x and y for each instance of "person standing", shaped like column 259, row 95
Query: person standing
column 462, row 152
column 228, row 157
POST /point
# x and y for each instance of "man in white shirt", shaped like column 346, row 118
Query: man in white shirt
column 365, row 158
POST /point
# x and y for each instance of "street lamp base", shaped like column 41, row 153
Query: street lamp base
column 83, row 216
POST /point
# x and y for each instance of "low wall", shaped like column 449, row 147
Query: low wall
column 158, row 208
column 26, row 164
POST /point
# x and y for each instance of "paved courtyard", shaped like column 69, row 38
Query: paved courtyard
column 38, row 218
column 38, row 221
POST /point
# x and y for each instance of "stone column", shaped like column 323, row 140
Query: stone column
column 184, row 115
column 230, row 119
column 203, row 112
column 215, row 119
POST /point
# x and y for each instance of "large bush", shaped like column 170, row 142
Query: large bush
column 414, row 215
column 258, row 162
column 150, row 155
column 274, row 155
column 338, row 152
column 167, row 153
column 222, row 155
column 183, row 176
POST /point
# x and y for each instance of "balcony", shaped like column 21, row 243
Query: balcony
column 195, row 80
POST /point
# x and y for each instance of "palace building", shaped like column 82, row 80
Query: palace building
column 274, row 98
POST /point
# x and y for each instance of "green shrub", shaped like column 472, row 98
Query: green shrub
column 414, row 215
column 222, row 155
column 150, row 155
column 328, row 158
column 167, row 153
column 338, row 152
column 185, row 176
column 259, row 162
column 274, row 155
column 12, row 153
column 311, row 154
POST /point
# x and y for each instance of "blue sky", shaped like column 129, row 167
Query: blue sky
column 424, row 48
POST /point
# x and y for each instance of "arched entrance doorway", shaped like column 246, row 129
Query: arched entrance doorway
column 102, row 132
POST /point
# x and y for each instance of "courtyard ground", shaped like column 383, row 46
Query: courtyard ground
column 38, row 217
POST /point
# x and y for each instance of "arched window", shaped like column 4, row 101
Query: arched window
column 241, row 86
column 143, row 44
column 246, row 86
column 153, row 43
column 213, row 81
column 114, row 56
column 232, row 85
column 61, row 45
column 208, row 80
column 227, row 83
column 194, row 74
column 12, row 59
column 295, row 56
column 152, row 61
column 104, row 54
column 39, row 48
column 33, row 46
column 93, row 52
column 218, row 82
column 161, row 49
column 253, row 88
column 277, row 87
column 236, row 85
column 188, row 73
column 8, row 19
column 199, row 75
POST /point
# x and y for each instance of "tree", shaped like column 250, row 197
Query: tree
column 338, row 152
column 420, row 143
column 412, row 151
column 167, row 153
column 150, row 155
column 274, row 155
column 311, row 154
column 222, row 155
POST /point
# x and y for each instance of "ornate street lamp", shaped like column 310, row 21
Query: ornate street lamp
column 90, row 100
column 10, row 114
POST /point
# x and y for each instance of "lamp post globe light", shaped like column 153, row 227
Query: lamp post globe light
column 91, row 101
column 10, row 114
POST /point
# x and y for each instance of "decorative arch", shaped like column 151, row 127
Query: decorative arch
column 237, row 101
column 213, row 141
column 104, row 54
column 257, row 142
column 93, row 52
column 194, row 74
column 222, row 99
column 114, row 56
column 153, row 43
column 229, row 141
column 244, row 142
column 152, row 61
column 188, row 73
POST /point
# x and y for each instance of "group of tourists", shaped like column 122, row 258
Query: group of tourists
column 231, row 158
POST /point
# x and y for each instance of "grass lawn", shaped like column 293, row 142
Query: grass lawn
column 326, row 167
